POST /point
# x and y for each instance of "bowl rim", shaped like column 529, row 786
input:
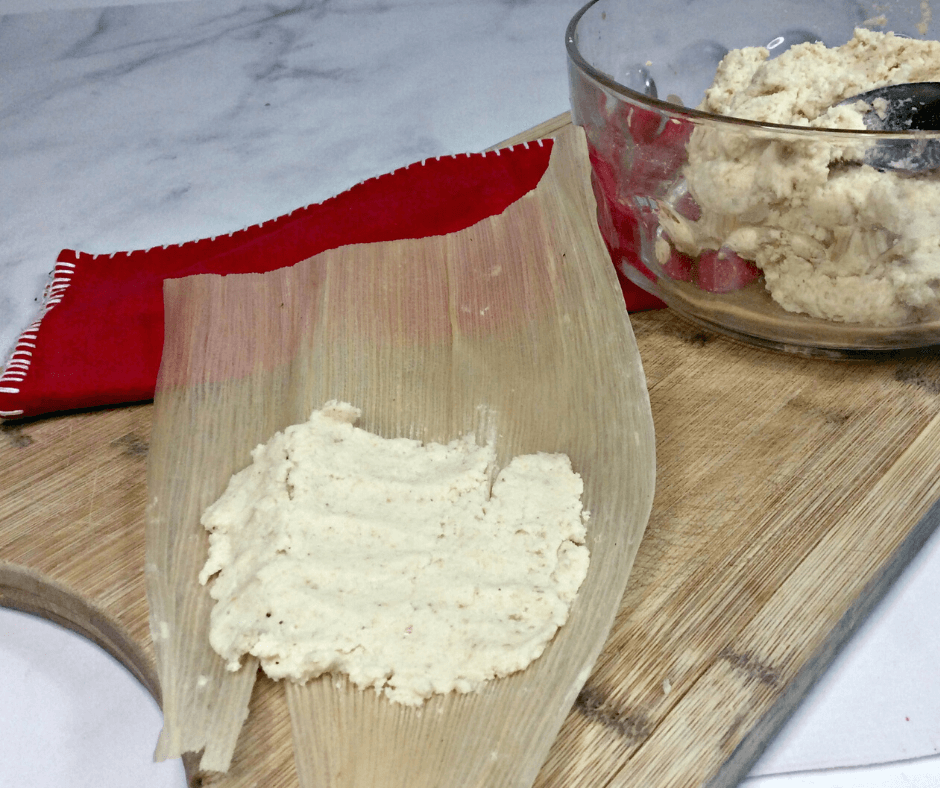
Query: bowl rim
column 609, row 84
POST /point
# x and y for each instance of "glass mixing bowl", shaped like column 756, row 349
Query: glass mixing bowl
column 688, row 201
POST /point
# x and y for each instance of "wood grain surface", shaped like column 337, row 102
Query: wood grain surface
column 790, row 493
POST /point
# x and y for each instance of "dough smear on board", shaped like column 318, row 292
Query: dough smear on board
column 393, row 562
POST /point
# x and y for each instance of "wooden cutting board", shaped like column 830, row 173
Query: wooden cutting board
column 791, row 492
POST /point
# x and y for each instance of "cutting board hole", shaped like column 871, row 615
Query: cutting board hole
column 73, row 715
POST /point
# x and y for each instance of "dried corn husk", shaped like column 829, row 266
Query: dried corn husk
column 515, row 325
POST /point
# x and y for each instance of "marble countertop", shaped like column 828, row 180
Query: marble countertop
column 145, row 124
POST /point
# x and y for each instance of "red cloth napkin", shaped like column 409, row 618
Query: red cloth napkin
column 99, row 336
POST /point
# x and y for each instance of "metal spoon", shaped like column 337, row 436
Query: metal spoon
column 908, row 107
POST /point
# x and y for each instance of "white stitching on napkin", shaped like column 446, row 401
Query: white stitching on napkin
column 18, row 364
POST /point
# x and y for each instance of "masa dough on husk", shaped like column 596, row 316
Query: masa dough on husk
column 392, row 561
column 834, row 237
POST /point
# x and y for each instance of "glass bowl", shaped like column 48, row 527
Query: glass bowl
column 698, row 209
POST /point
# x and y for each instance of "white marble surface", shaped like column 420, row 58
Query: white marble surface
column 147, row 124
column 72, row 715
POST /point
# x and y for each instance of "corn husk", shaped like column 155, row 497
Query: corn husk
column 516, row 328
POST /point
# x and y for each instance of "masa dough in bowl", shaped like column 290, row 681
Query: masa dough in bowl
column 835, row 238
column 404, row 565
